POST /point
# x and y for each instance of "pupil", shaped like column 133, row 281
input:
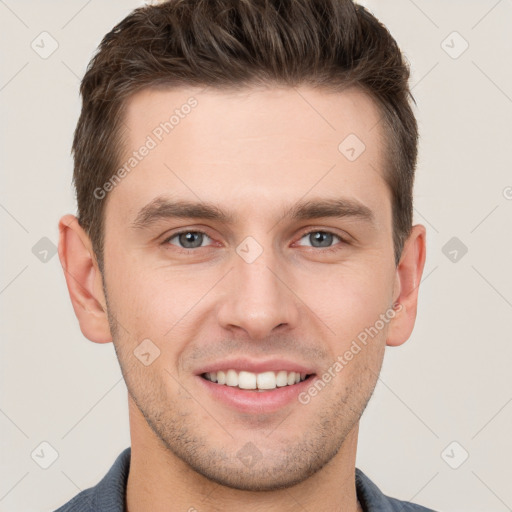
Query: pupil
column 324, row 239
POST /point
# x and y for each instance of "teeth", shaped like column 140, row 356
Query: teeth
column 266, row 380
column 282, row 379
column 249, row 380
column 231, row 378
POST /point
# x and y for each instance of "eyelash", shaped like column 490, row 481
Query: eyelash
column 321, row 249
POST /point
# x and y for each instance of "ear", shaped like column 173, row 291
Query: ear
column 83, row 279
column 407, row 281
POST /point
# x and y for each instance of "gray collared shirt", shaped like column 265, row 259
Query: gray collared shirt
column 109, row 494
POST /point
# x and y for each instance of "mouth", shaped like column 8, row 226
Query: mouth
column 260, row 382
column 256, row 386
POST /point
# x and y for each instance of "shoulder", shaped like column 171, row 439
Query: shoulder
column 82, row 502
column 373, row 500
column 108, row 495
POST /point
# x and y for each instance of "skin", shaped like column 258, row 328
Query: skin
column 256, row 153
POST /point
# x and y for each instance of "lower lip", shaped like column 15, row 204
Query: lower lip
column 253, row 401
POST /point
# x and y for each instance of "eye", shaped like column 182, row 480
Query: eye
column 188, row 239
column 193, row 239
column 320, row 239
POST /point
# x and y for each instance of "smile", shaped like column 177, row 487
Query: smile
column 263, row 381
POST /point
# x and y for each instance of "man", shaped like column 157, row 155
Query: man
column 244, row 176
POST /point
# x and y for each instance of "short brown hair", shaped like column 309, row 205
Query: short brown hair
column 330, row 44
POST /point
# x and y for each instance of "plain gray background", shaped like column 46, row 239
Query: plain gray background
column 443, row 395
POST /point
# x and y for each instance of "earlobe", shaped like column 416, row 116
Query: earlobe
column 83, row 279
column 408, row 278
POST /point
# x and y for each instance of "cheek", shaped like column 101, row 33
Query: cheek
column 156, row 303
column 347, row 298
column 350, row 302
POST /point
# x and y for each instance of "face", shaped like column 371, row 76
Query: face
column 247, row 238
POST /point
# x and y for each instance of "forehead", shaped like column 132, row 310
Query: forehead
column 251, row 148
column 218, row 115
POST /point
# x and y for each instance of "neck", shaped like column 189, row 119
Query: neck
column 159, row 481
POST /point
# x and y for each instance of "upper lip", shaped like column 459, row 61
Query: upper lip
column 256, row 366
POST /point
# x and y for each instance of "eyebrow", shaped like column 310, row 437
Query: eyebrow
column 162, row 208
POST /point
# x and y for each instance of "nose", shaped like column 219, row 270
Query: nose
column 257, row 298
